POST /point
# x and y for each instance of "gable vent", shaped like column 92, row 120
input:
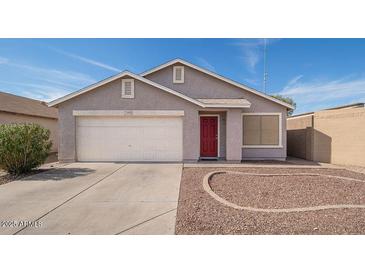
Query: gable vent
column 178, row 74
column 128, row 88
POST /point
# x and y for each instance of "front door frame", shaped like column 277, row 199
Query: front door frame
column 219, row 136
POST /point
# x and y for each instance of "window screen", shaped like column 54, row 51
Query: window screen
column 260, row 130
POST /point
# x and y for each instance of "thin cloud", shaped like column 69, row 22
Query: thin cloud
column 3, row 60
column 43, row 83
column 252, row 51
column 44, row 95
column 335, row 88
column 251, row 58
column 56, row 75
column 36, row 91
column 327, row 93
column 88, row 60
column 60, row 83
column 203, row 62
column 293, row 81
column 42, row 92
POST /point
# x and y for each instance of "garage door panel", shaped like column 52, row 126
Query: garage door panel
column 129, row 139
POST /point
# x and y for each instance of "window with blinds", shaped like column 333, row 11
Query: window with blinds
column 127, row 88
column 178, row 74
column 261, row 130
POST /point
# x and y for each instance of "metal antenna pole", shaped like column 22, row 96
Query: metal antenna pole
column 265, row 72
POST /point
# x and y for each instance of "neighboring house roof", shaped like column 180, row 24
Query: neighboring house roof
column 300, row 115
column 218, row 77
column 21, row 105
column 142, row 79
column 355, row 105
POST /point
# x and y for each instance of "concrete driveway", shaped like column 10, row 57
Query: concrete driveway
column 93, row 198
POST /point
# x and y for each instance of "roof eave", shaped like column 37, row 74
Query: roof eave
column 226, row 106
column 58, row 101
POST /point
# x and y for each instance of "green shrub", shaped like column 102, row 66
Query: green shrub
column 23, row 147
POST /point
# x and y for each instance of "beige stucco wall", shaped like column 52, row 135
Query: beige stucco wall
column 339, row 136
column 300, row 137
column 300, row 122
column 51, row 124
column 333, row 136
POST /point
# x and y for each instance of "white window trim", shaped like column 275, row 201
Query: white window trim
column 175, row 81
column 126, row 96
column 280, row 145
column 219, row 135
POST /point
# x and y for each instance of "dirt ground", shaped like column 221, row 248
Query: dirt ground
column 6, row 178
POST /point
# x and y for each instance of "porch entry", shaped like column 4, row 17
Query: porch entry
column 208, row 136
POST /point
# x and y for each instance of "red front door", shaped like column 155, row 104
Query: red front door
column 208, row 136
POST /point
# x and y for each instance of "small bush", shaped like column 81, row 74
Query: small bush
column 23, row 147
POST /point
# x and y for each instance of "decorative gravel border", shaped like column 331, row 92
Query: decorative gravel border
column 209, row 190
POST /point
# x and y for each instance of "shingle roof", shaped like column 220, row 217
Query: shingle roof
column 21, row 105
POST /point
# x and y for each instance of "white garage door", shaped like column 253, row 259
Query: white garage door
column 129, row 139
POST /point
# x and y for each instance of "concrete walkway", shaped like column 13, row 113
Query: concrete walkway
column 289, row 163
column 94, row 198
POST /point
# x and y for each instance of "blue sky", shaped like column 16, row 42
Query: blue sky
column 316, row 73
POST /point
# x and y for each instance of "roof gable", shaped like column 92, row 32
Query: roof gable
column 197, row 102
column 217, row 76
column 120, row 75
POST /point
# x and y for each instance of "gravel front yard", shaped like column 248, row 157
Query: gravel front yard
column 199, row 213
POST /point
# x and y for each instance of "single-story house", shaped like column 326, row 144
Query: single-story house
column 17, row 109
column 335, row 135
column 174, row 112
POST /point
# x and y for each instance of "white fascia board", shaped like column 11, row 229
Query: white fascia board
column 86, row 89
column 218, row 77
